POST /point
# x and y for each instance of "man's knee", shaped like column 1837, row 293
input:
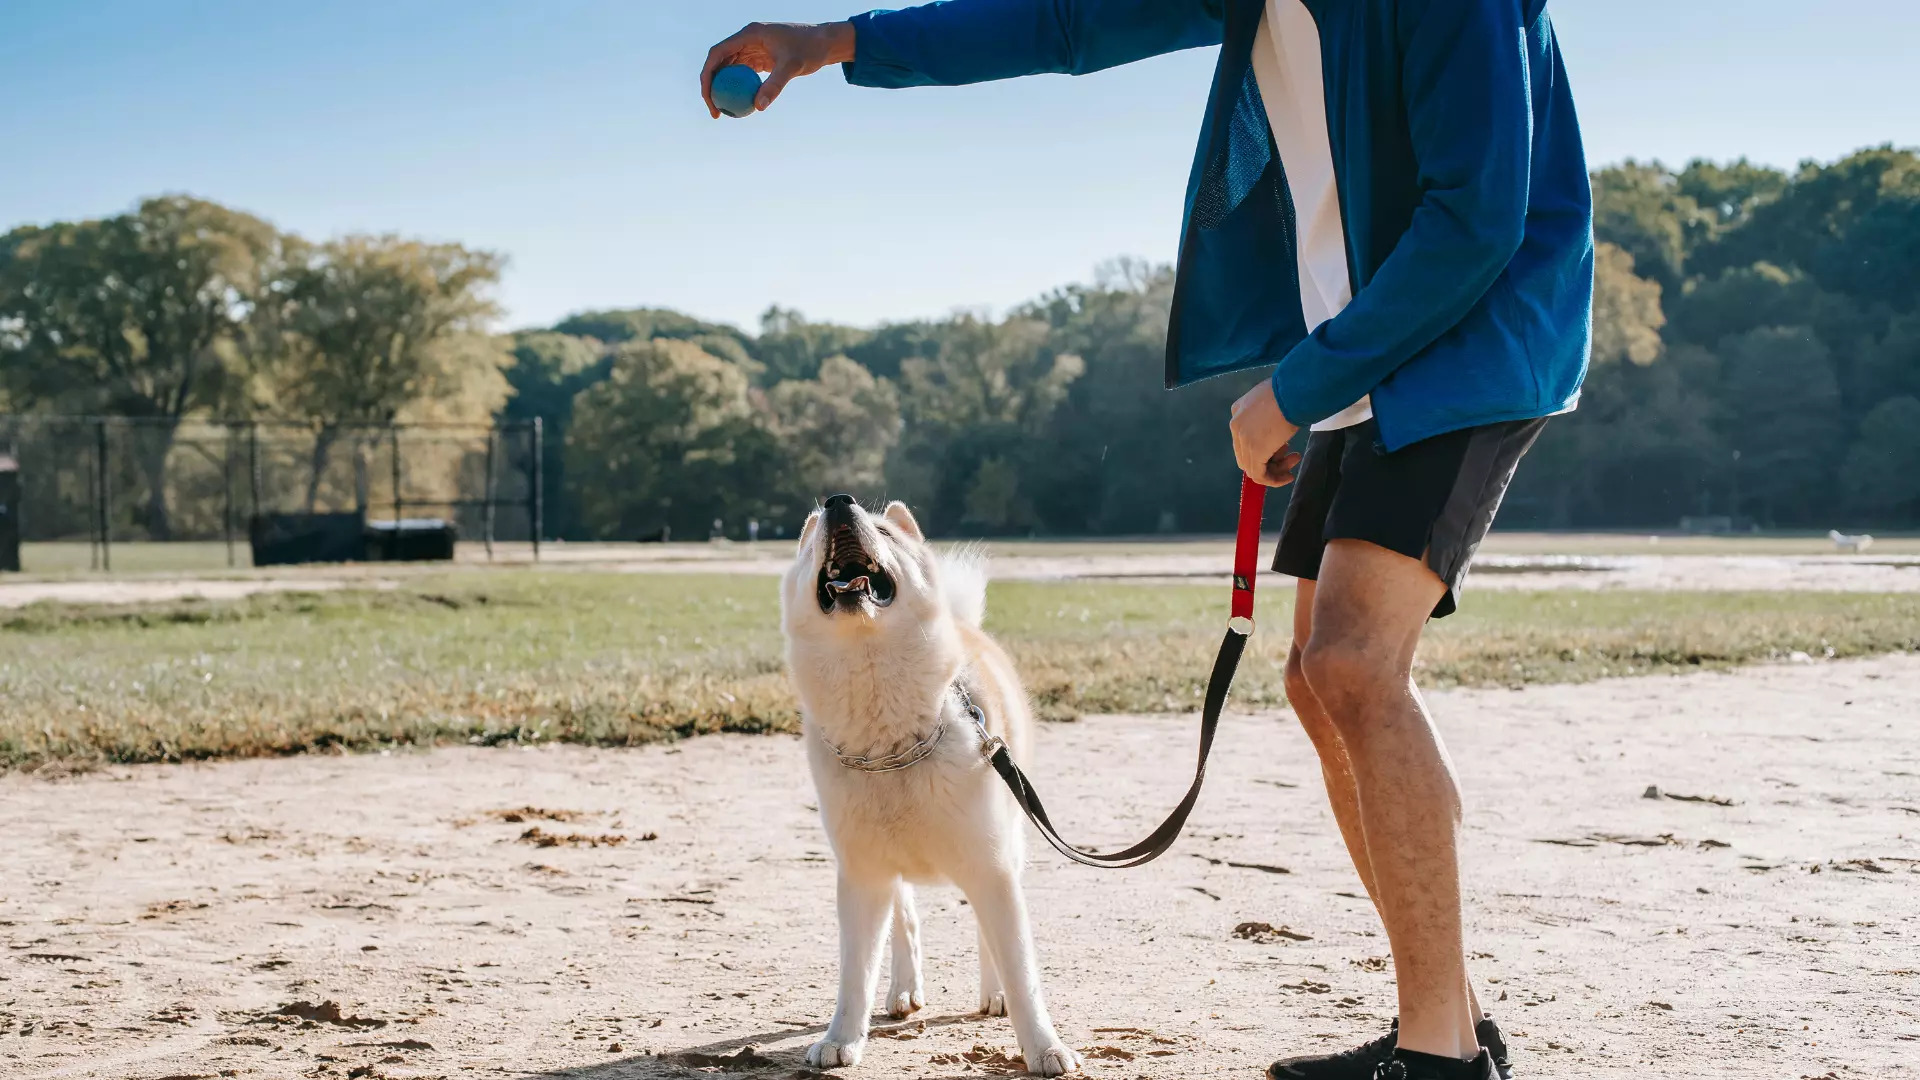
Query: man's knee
column 1306, row 707
column 1348, row 674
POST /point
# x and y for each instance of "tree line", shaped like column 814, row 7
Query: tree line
column 182, row 309
column 1756, row 358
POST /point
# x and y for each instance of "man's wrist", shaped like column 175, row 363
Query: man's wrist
column 1273, row 383
column 842, row 42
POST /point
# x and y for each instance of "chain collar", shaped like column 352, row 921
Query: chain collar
column 923, row 748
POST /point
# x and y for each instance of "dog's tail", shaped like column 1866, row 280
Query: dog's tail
column 964, row 578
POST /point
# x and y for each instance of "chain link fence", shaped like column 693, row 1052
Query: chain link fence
column 104, row 481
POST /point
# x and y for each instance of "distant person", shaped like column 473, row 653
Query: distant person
column 1389, row 206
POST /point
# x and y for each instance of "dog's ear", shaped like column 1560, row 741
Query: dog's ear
column 812, row 526
column 902, row 517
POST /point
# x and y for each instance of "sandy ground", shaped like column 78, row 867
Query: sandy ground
column 1177, row 563
column 382, row 916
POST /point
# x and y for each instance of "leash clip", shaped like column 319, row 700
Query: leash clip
column 990, row 744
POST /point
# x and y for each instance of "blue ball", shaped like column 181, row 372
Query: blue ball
column 734, row 87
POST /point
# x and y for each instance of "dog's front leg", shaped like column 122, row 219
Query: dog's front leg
column 1002, row 910
column 905, row 996
column 865, row 903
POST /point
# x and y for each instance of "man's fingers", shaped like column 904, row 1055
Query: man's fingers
column 776, row 82
column 1248, row 463
column 716, row 59
column 1280, row 470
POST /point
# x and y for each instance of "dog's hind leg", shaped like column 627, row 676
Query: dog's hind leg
column 993, row 996
column 905, row 996
column 864, row 906
column 1002, row 910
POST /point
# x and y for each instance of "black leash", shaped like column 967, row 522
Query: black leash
column 1239, row 628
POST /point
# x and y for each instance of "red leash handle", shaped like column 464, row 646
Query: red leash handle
column 1246, row 551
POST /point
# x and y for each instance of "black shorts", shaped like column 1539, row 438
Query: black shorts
column 1433, row 500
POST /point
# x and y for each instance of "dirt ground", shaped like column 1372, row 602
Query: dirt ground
column 659, row 911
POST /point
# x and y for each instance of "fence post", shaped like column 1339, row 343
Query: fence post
column 539, row 466
column 253, row 474
column 104, row 507
column 486, row 511
column 226, row 488
column 93, row 513
column 393, row 442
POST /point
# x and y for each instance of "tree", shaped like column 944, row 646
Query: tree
column 1783, row 414
column 1730, row 193
column 1883, row 467
column 1854, row 226
column 990, row 392
column 548, row 371
column 1641, row 209
column 839, row 428
column 1124, row 454
column 793, row 348
column 654, row 324
column 674, row 437
column 369, row 330
column 133, row 315
column 1626, row 310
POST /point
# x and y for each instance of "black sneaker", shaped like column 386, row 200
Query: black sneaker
column 1409, row 1066
column 1362, row 1061
column 1359, row 1063
column 1495, row 1044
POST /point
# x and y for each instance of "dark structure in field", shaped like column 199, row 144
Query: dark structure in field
column 9, row 512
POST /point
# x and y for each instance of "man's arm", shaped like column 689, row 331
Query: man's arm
column 967, row 41
column 1469, row 107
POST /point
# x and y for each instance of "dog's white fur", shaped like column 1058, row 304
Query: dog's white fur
column 876, row 681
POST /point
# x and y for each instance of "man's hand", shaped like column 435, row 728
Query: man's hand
column 1260, row 436
column 786, row 50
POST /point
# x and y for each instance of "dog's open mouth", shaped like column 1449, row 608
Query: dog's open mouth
column 850, row 576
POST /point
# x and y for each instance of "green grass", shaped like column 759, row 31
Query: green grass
column 615, row 659
column 62, row 558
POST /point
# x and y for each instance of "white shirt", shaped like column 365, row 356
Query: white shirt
column 1286, row 66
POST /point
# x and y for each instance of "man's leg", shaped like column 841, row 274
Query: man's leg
column 1335, row 769
column 1366, row 615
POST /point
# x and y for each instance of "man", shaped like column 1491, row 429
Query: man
column 1389, row 205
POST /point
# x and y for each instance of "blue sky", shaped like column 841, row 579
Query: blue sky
column 568, row 134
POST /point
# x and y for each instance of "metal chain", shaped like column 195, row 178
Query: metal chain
column 921, row 750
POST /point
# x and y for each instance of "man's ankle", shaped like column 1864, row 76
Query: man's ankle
column 1441, row 1040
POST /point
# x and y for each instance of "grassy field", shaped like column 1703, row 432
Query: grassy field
column 621, row 659
column 67, row 558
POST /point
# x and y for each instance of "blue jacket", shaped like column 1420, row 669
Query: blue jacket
column 1458, row 164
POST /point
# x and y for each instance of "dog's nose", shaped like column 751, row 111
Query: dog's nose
column 838, row 502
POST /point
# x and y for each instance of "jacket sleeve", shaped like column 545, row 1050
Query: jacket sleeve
column 968, row 41
column 1466, row 92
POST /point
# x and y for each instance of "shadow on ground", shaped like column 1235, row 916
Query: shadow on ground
column 743, row 1056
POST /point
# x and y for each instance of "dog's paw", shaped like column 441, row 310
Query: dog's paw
column 993, row 1003
column 830, row 1052
column 1054, row 1061
column 904, row 1003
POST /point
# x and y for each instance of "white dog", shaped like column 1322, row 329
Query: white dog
column 1851, row 544
column 887, row 654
